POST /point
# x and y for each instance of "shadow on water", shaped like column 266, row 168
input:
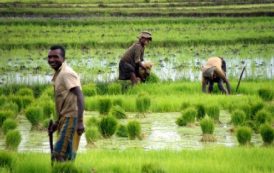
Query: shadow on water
column 159, row 130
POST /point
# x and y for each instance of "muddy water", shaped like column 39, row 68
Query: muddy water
column 159, row 132
column 173, row 68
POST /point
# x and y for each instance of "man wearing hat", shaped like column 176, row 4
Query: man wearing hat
column 214, row 71
column 131, row 61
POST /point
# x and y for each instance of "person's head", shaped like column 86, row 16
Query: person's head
column 145, row 37
column 56, row 56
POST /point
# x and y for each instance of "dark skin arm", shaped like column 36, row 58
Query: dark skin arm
column 80, row 105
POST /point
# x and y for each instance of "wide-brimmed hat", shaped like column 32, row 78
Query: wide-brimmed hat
column 145, row 34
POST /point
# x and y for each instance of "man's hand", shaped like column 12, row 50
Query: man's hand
column 80, row 128
column 53, row 127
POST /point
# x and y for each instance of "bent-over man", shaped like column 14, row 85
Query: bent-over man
column 214, row 71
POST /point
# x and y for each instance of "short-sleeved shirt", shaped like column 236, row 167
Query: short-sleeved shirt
column 134, row 54
column 66, row 102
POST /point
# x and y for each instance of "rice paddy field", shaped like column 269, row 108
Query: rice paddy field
column 166, row 125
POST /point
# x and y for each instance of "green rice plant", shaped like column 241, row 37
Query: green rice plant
column 243, row 135
column 114, row 89
column 266, row 94
column 92, row 121
column 207, row 126
column 247, row 109
column 152, row 168
column 48, row 108
column 34, row 114
column 45, row 123
column 200, row 111
column 134, row 129
column 101, row 88
column 13, row 139
column 117, row 101
column 104, row 105
column 143, row 103
column 11, row 106
column 92, row 134
column 251, row 124
column 3, row 100
column 267, row 133
column 6, row 159
column 6, row 114
column 185, row 105
column 122, row 131
column 89, row 90
column 17, row 100
column 108, row 126
column 262, row 117
column 152, row 78
column 187, row 117
column 9, row 124
column 238, row 117
column 65, row 167
column 118, row 112
column 25, row 92
column 255, row 107
column 213, row 111
column 26, row 101
column 91, row 103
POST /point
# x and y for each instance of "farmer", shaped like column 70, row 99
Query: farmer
column 69, row 106
column 215, row 71
column 132, row 60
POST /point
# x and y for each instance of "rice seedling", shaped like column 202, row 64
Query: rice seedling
column 152, row 78
column 118, row 112
column 238, row 117
column 34, row 114
column 108, row 126
column 266, row 94
column 101, row 88
column 213, row 111
column 13, row 139
column 262, row 117
column 104, row 105
column 255, row 107
column 187, row 117
column 92, row 134
column 89, row 90
column 200, row 111
column 5, row 115
column 152, row 168
column 6, row 159
column 134, row 129
column 122, row 131
column 92, row 121
column 267, row 133
column 143, row 103
column 118, row 102
column 114, row 89
column 243, row 135
column 66, row 167
column 25, row 92
column 207, row 126
column 9, row 124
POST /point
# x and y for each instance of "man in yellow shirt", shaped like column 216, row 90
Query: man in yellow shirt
column 132, row 60
column 69, row 106
column 215, row 71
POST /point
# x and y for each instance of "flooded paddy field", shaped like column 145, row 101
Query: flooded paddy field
column 159, row 132
column 24, row 66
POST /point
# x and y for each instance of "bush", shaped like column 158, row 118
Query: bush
column 200, row 111
column 207, row 125
column 151, row 168
column 13, row 139
column 89, row 90
column 9, row 124
column 213, row 111
column 92, row 134
column 104, row 106
column 122, row 131
column 143, row 104
column 25, row 92
column 267, row 133
column 134, row 129
column 108, row 126
column 244, row 135
column 6, row 114
column 6, row 159
column 266, row 94
column 238, row 117
column 118, row 112
column 262, row 117
column 64, row 167
column 34, row 115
